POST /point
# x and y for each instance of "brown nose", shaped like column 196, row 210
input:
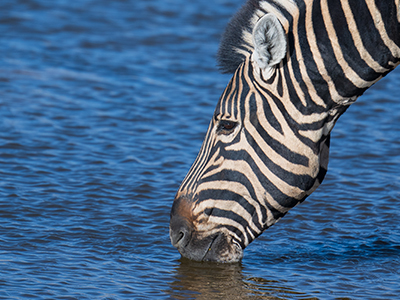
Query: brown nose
column 179, row 231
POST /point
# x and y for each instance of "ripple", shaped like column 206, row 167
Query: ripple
column 103, row 110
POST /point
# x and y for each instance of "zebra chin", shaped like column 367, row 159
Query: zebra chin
column 198, row 246
column 217, row 247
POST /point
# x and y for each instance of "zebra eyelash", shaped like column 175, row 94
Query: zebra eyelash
column 226, row 127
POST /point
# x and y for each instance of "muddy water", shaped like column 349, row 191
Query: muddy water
column 103, row 107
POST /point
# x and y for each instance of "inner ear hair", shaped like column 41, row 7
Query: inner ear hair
column 269, row 40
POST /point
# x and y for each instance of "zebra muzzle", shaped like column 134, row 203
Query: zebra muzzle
column 200, row 246
column 180, row 232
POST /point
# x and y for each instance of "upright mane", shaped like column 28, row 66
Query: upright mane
column 236, row 41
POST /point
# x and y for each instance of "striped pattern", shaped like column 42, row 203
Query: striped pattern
column 247, row 177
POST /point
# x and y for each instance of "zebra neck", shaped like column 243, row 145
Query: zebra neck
column 310, row 119
column 336, row 49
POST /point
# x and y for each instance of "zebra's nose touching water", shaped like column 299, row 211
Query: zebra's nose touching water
column 197, row 245
column 297, row 66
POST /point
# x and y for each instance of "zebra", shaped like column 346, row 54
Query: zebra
column 297, row 66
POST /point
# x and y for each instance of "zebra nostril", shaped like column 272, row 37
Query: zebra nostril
column 178, row 237
column 179, row 232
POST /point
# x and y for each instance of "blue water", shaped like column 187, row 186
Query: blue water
column 103, row 108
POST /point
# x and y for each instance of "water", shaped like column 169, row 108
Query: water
column 104, row 105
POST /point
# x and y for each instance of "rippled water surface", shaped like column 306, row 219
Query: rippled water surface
column 103, row 107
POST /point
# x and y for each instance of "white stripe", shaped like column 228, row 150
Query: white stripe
column 349, row 73
column 358, row 41
column 380, row 25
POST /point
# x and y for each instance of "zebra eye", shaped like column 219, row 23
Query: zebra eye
column 226, row 127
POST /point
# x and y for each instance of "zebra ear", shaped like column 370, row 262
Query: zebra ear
column 269, row 42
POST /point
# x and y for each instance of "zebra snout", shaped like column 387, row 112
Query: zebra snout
column 200, row 240
column 179, row 232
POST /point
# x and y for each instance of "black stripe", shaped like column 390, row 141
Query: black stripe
column 293, row 125
column 312, row 108
column 233, row 216
column 195, row 169
column 275, row 193
column 346, row 43
column 230, row 215
column 303, row 182
column 285, row 152
column 369, row 34
column 231, row 176
column 218, row 194
column 237, row 232
column 344, row 86
column 269, row 115
column 279, row 85
column 302, row 37
column 319, row 83
column 388, row 11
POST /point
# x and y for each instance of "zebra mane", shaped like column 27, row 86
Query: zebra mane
column 235, row 43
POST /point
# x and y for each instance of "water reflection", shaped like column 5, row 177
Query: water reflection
column 194, row 280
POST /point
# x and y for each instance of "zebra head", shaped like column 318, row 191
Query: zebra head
column 236, row 188
column 267, row 145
